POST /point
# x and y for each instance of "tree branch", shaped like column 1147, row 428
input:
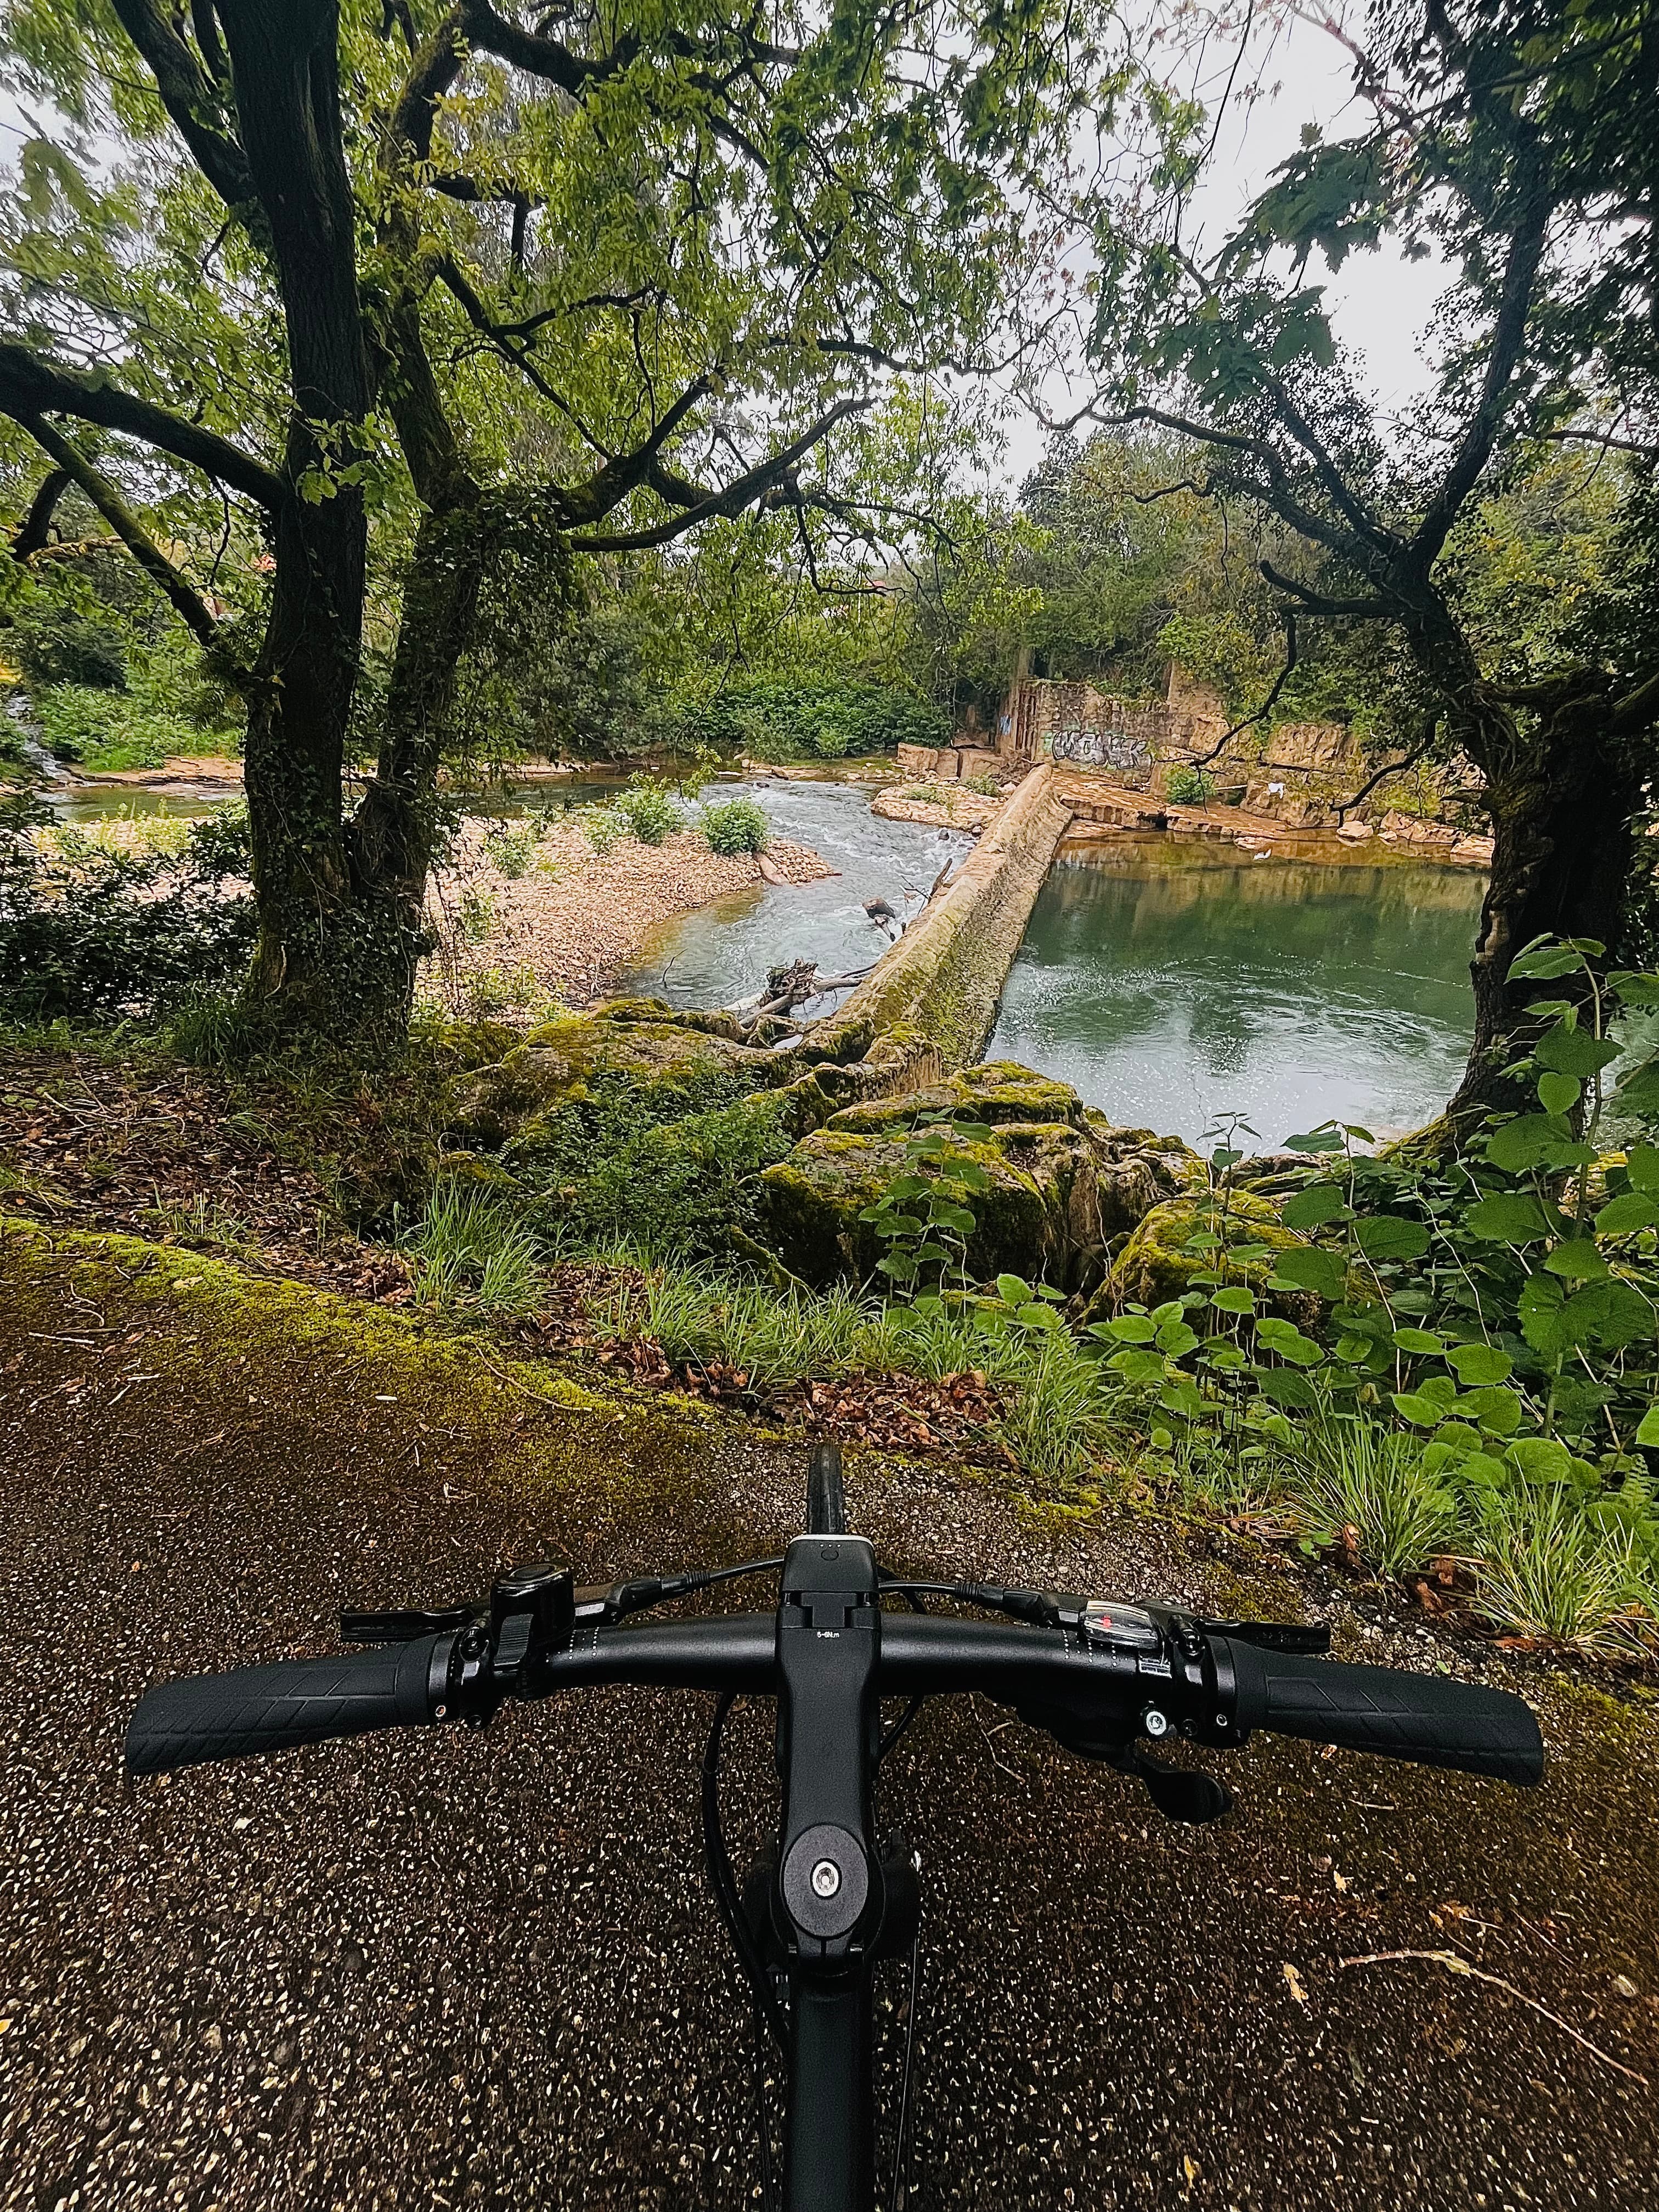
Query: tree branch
column 31, row 387
column 1507, row 340
column 609, row 486
column 735, row 497
column 540, row 56
column 193, row 102
column 1317, row 603
column 31, row 533
column 1268, row 704
column 186, row 601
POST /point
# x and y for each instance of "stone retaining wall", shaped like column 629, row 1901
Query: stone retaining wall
column 943, row 979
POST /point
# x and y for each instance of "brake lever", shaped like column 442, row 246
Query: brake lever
column 1272, row 1635
column 402, row 1627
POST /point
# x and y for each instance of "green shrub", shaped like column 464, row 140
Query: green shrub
column 648, row 811
column 1185, row 785
column 736, row 825
column 55, row 645
column 511, row 847
column 97, row 934
column 811, row 718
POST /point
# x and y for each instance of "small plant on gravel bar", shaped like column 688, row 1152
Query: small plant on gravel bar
column 737, row 825
column 648, row 811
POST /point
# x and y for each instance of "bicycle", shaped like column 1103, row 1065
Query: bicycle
column 812, row 1918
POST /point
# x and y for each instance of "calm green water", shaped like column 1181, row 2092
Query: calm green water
column 1169, row 981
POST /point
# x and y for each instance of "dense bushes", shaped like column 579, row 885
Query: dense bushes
column 812, row 719
column 97, row 932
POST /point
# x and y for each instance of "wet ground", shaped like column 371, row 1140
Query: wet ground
column 435, row 1969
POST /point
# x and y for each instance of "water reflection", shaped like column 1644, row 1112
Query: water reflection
column 1169, row 981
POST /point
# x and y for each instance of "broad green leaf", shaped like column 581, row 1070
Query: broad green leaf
column 1288, row 1341
column 1632, row 989
column 971, row 1176
column 1285, row 1387
column 1647, row 1430
column 1385, row 1237
column 1233, row 1301
column 1638, row 1092
column 1307, row 1209
column 1128, row 1328
column 1171, row 1310
column 1175, row 1339
column 1180, row 1395
column 1574, row 1052
column 1418, row 1339
column 1483, row 1470
column 1558, row 1094
column 1221, row 1351
column 1013, row 1289
column 1544, row 959
column 1327, row 1139
column 1498, row 1412
column 908, row 1186
column 1413, row 1406
column 1540, row 1459
column 1138, row 1366
column 954, row 1217
column 1578, row 1260
column 1535, row 1140
column 1507, row 1217
column 1309, row 1267
column 1475, row 1363
column 1641, row 1165
column 1037, row 1315
column 1630, row 1211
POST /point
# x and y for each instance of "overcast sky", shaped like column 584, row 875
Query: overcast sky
column 1379, row 303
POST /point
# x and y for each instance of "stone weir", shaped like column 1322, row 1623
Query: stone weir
column 939, row 984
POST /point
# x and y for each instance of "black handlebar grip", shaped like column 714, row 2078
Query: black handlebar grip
column 1424, row 1717
column 254, row 1709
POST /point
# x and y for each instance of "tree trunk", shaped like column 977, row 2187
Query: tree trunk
column 1562, row 796
column 321, row 957
column 393, row 835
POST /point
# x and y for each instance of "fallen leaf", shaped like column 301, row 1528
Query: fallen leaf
column 1294, row 1979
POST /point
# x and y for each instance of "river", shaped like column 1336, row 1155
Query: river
column 1169, row 980
column 721, row 952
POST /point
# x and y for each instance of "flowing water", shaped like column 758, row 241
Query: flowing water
column 1170, row 981
column 721, row 953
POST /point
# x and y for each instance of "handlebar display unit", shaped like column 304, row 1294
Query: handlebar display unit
column 1104, row 1677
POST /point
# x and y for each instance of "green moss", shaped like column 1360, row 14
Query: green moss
column 215, row 1312
column 1039, row 1215
column 1154, row 1265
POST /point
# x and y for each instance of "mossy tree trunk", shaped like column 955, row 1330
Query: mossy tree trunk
column 313, row 966
column 1561, row 798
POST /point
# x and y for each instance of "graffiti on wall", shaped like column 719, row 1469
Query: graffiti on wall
column 1122, row 750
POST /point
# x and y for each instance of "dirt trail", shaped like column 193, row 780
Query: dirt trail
column 438, row 1970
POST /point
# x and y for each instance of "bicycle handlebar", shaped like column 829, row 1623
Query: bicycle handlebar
column 1424, row 1717
column 273, row 1708
column 1146, row 1674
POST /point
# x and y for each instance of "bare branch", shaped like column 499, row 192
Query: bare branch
column 194, row 103
column 736, row 496
column 1268, row 704
column 1318, row 602
column 31, row 533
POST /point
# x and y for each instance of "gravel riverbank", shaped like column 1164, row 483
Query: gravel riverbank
column 536, row 912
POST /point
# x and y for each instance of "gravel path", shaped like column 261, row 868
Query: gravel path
column 440, row 1971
